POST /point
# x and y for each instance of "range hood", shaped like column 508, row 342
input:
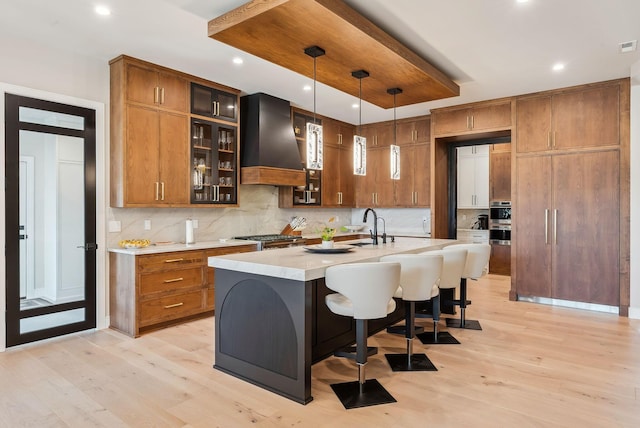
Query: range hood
column 269, row 153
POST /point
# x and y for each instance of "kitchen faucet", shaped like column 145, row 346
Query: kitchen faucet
column 374, row 234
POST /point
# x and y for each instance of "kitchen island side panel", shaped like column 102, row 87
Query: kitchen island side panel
column 263, row 331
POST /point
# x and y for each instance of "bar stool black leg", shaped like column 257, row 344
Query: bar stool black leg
column 436, row 337
column 362, row 392
column 410, row 361
column 463, row 322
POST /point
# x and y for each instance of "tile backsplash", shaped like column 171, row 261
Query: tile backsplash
column 257, row 213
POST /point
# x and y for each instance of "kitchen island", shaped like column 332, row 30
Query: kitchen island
column 271, row 321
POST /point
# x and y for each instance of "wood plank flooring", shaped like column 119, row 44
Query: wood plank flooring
column 531, row 366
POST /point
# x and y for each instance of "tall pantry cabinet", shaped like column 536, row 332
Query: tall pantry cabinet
column 567, row 210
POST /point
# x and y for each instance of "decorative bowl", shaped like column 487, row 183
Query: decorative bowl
column 134, row 243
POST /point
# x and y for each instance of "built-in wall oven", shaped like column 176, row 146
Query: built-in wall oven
column 500, row 223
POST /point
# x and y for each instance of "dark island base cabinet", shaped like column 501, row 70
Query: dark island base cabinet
column 269, row 331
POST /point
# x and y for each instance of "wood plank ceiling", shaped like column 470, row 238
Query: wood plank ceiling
column 280, row 30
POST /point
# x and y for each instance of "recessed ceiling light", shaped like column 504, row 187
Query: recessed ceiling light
column 306, row 88
column 558, row 67
column 522, row 1
column 102, row 10
column 238, row 60
column 355, row 105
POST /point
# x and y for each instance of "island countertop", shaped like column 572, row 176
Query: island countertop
column 298, row 264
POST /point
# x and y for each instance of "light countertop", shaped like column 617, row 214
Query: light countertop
column 168, row 248
column 298, row 264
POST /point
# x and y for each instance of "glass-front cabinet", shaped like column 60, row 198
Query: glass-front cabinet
column 214, row 168
column 311, row 192
column 212, row 102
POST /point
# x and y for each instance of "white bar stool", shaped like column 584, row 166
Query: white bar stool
column 477, row 258
column 418, row 282
column 452, row 269
column 365, row 292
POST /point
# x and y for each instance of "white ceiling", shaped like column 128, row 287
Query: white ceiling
column 491, row 48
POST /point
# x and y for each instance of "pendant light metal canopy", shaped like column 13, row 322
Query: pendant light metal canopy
column 360, row 142
column 394, row 155
column 314, row 130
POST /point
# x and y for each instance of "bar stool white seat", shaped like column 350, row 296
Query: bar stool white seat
column 418, row 282
column 365, row 292
column 477, row 258
column 453, row 263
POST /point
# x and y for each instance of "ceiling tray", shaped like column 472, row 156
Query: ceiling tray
column 280, row 30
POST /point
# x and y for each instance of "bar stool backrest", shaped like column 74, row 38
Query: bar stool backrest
column 453, row 264
column 369, row 286
column 419, row 275
column 477, row 258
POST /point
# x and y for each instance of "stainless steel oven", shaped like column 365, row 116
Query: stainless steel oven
column 500, row 223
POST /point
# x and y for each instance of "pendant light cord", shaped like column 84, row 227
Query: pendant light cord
column 314, row 90
column 360, row 110
column 395, row 123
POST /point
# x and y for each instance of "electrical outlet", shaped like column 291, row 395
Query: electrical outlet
column 195, row 223
column 147, row 224
column 464, row 216
column 114, row 226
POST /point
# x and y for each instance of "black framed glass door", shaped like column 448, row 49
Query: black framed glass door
column 50, row 215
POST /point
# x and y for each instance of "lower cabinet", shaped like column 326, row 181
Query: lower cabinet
column 149, row 291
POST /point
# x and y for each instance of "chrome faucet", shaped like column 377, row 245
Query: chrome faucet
column 374, row 234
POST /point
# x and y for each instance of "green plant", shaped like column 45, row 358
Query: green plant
column 327, row 232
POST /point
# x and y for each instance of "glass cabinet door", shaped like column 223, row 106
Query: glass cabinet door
column 213, row 153
column 210, row 102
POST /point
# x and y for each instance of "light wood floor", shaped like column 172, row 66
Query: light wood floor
column 531, row 366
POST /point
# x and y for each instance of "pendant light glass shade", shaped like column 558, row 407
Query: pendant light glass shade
column 314, row 130
column 360, row 142
column 394, row 154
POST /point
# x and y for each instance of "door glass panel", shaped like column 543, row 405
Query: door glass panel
column 56, row 319
column 51, row 219
column 44, row 117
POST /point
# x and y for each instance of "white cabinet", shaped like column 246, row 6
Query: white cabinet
column 473, row 177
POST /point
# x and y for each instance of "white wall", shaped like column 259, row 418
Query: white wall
column 634, row 309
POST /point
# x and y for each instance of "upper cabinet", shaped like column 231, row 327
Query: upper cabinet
column 500, row 172
column 213, row 102
column 377, row 134
column 160, row 155
column 473, row 177
column 576, row 118
column 155, row 87
column 486, row 116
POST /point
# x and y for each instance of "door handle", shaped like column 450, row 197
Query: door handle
column 89, row 246
column 555, row 227
column 546, row 226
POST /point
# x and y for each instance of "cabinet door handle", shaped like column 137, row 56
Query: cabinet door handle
column 161, row 95
column 174, row 260
column 167, row 281
column 175, row 305
column 157, row 190
column 549, row 140
column 156, row 95
column 554, row 139
column 339, row 198
column 472, row 121
column 162, row 190
column 555, row 227
column 546, row 226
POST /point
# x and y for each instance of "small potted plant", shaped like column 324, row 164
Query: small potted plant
column 327, row 233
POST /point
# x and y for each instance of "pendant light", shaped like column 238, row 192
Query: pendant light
column 314, row 131
column 360, row 142
column 394, row 155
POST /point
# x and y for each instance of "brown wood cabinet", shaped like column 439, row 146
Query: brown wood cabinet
column 577, row 118
column 490, row 115
column 149, row 135
column 377, row 134
column 376, row 189
column 148, row 291
column 567, row 240
column 151, row 162
column 500, row 172
column 337, row 175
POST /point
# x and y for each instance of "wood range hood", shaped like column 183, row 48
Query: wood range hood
column 280, row 30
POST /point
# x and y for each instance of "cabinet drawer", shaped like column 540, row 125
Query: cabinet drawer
column 173, row 279
column 170, row 307
column 170, row 261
